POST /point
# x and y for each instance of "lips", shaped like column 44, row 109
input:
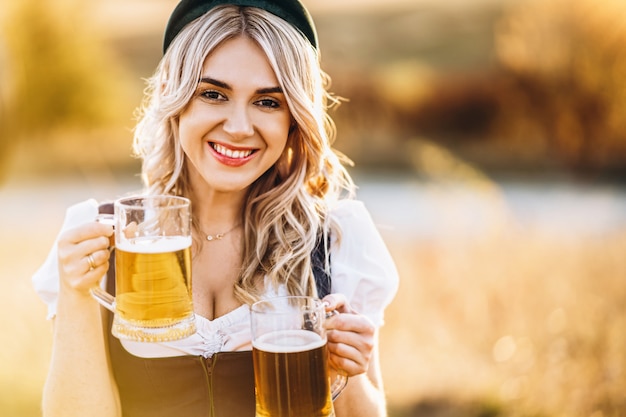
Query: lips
column 231, row 156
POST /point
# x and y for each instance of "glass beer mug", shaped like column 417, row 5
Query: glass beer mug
column 152, row 300
column 290, row 357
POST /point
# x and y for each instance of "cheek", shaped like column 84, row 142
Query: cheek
column 280, row 135
column 188, row 129
column 183, row 124
column 278, row 148
column 183, row 138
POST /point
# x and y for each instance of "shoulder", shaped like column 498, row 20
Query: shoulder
column 349, row 213
column 356, row 227
column 362, row 266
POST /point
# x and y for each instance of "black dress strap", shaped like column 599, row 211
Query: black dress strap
column 318, row 260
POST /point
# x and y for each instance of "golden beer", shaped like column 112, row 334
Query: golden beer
column 290, row 371
column 153, row 289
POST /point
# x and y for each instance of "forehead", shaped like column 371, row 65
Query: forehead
column 240, row 61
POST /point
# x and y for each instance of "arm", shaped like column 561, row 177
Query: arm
column 365, row 274
column 80, row 381
column 364, row 395
column 353, row 349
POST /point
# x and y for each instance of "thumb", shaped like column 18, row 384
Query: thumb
column 337, row 302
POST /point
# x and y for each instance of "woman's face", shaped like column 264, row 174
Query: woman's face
column 236, row 125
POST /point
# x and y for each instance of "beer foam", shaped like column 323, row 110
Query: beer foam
column 155, row 244
column 288, row 341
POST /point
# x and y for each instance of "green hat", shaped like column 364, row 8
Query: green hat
column 292, row 11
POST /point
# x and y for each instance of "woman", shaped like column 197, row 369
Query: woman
column 235, row 121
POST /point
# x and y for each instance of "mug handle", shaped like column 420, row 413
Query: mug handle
column 338, row 385
column 104, row 298
column 341, row 380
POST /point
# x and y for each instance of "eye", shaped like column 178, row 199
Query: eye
column 269, row 103
column 212, row 95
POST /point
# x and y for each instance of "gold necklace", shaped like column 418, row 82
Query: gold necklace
column 219, row 236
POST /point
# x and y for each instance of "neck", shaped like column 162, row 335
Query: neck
column 216, row 212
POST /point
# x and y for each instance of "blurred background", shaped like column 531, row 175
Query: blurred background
column 489, row 141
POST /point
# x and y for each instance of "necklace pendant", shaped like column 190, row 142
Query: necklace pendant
column 218, row 236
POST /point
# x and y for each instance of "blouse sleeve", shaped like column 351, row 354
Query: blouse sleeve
column 361, row 266
column 46, row 279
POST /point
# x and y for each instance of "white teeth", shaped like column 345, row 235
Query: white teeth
column 230, row 153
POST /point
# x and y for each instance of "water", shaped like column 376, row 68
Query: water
column 407, row 207
column 401, row 205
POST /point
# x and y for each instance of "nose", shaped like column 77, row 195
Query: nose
column 238, row 123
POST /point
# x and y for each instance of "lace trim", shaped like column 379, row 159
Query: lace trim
column 212, row 332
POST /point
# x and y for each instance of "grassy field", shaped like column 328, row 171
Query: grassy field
column 26, row 344
column 512, row 323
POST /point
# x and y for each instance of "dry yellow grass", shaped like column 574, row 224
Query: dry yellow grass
column 26, row 340
column 515, row 323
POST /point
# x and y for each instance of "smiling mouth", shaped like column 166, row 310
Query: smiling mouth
column 232, row 153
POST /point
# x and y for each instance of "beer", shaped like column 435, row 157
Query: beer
column 153, row 289
column 290, row 375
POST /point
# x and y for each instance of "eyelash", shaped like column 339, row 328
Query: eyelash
column 217, row 96
column 212, row 95
column 270, row 103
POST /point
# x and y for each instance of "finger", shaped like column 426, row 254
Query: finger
column 350, row 342
column 347, row 359
column 357, row 323
column 97, row 258
column 350, row 351
column 86, row 247
column 89, row 279
column 347, row 366
column 337, row 302
column 363, row 338
column 74, row 249
column 77, row 253
column 76, row 266
column 87, row 231
column 351, row 345
column 81, row 276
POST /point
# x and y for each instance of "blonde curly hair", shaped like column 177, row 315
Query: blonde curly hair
column 286, row 211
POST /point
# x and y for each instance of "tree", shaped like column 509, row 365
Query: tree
column 56, row 72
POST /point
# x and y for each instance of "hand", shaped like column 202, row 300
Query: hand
column 84, row 255
column 350, row 337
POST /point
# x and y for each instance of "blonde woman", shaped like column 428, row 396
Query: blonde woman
column 235, row 120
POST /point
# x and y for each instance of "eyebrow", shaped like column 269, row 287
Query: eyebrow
column 217, row 83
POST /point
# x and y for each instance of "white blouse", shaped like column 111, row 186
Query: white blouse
column 362, row 270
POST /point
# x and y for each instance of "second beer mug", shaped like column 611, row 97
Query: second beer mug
column 290, row 358
column 152, row 270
